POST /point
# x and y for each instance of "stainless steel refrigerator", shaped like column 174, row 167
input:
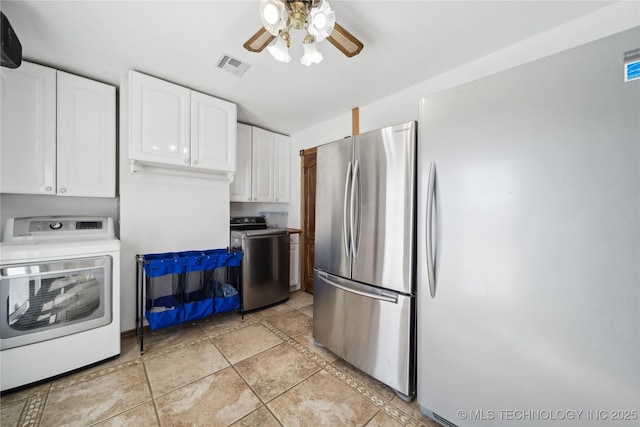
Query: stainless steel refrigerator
column 364, row 293
column 529, row 244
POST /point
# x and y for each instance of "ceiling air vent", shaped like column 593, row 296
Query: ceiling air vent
column 232, row 65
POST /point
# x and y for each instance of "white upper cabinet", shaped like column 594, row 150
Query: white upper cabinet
column 213, row 133
column 240, row 189
column 263, row 166
column 68, row 153
column 262, row 162
column 28, row 130
column 86, row 137
column 282, row 168
column 160, row 121
column 173, row 126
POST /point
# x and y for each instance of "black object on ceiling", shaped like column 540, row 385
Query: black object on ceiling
column 11, row 47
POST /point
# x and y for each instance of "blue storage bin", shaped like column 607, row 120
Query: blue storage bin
column 165, row 311
column 185, row 286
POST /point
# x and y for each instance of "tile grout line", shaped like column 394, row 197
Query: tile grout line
column 254, row 392
column 153, row 398
column 391, row 410
column 231, row 365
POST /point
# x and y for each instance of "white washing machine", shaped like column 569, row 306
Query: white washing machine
column 59, row 296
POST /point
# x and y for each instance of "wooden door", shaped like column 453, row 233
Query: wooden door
column 308, row 215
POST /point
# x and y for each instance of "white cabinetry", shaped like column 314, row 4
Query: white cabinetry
column 263, row 166
column 86, row 145
column 282, row 168
column 58, row 133
column 213, row 133
column 173, row 126
column 294, row 267
column 240, row 188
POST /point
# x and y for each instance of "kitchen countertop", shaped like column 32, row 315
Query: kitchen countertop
column 294, row 231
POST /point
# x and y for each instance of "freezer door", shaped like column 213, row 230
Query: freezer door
column 333, row 185
column 384, row 207
column 535, row 237
column 370, row 328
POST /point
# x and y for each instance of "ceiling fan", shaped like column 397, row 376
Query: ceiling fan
column 314, row 16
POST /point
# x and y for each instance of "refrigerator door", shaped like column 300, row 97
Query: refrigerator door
column 535, row 236
column 368, row 327
column 384, row 182
column 333, row 189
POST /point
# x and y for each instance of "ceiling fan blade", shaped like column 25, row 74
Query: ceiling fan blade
column 345, row 41
column 259, row 40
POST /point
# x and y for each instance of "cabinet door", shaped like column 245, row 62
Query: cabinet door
column 160, row 124
column 240, row 189
column 282, row 168
column 28, row 146
column 213, row 133
column 262, row 166
column 86, row 145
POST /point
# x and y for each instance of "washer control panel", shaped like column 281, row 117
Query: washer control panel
column 64, row 225
column 57, row 228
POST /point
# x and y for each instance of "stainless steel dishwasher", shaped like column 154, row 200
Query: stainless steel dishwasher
column 265, row 264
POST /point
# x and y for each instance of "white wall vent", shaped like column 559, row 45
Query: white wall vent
column 232, row 65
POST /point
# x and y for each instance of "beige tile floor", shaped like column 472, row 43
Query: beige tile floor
column 221, row 371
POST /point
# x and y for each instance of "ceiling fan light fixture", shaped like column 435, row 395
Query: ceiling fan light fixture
column 315, row 17
column 311, row 54
column 322, row 19
column 280, row 49
column 273, row 15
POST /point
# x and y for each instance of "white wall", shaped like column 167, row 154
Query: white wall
column 163, row 213
column 403, row 106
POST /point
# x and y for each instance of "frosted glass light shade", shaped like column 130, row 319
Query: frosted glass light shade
column 279, row 50
column 273, row 16
column 311, row 54
column 321, row 21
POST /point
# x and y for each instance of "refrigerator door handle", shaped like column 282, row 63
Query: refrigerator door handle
column 354, row 206
column 381, row 296
column 430, row 254
column 345, row 231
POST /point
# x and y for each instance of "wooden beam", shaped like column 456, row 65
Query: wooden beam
column 355, row 121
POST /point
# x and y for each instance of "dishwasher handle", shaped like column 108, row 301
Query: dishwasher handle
column 267, row 233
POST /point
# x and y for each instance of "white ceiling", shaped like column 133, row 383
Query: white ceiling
column 405, row 42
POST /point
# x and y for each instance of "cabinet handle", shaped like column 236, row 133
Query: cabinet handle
column 48, row 188
column 195, row 162
column 63, row 190
column 186, row 161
